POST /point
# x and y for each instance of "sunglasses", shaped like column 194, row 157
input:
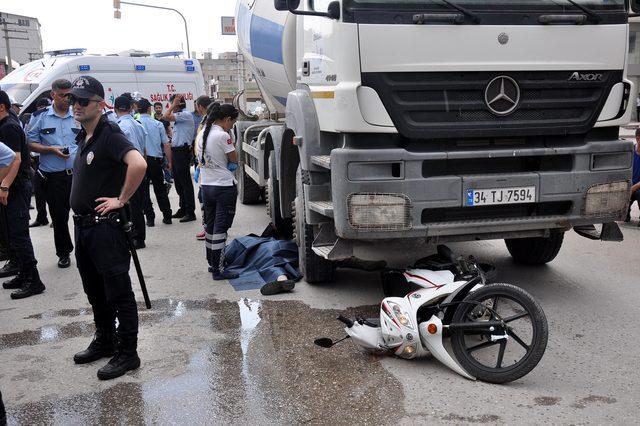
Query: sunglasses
column 83, row 102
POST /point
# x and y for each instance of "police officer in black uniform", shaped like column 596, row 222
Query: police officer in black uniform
column 107, row 172
column 15, row 196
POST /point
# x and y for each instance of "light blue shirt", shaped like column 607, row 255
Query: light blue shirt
column 134, row 131
column 156, row 135
column 111, row 116
column 183, row 133
column 50, row 129
column 6, row 155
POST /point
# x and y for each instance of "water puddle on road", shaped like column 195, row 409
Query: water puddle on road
column 257, row 364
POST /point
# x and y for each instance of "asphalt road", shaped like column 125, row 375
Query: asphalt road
column 212, row 355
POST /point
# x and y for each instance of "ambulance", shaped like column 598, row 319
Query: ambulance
column 155, row 78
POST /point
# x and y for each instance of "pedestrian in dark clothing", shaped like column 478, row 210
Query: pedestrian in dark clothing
column 108, row 170
column 635, row 179
column 15, row 196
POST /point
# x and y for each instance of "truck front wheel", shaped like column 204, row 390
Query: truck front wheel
column 248, row 190
column 272, row 196
column 535, row 251
column 315, row 269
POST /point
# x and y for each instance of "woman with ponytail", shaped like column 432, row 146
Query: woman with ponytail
column 217, row 160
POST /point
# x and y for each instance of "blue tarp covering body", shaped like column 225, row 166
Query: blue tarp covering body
column 259, row 260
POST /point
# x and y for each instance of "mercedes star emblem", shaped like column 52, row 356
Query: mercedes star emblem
column 502, row 95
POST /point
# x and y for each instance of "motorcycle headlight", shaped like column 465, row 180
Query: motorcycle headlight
column 401, row 316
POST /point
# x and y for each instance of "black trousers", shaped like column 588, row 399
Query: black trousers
column 58, row 192
column 103, row 260
column 155, row 177
column 137, row 203
column 17, row 219
column 38, row 192
column 219, row 211
column 182, row 180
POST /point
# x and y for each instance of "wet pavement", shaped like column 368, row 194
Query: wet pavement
column 257, row 361
column 211, row 355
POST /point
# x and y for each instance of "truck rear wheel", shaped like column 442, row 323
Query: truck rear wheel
column 272, row 197
column 248, row 190
column 314, row 268
column 535, row 251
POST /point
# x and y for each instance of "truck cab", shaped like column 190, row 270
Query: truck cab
column 452, row 121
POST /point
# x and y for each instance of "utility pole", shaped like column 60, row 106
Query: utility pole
column 118, row 15
column 7, row 37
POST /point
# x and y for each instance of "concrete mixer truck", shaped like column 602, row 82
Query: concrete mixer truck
column 397, row 123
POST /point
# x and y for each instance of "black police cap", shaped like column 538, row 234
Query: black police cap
column 87, row 87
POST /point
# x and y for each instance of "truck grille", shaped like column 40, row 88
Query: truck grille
column 511, row 211
column 452, row 104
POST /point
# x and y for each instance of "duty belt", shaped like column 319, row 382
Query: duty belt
column 89, row 220
column 68, row 172
column 185, row 147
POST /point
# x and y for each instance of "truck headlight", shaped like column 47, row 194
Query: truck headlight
column 607, row 198
column 379, row 212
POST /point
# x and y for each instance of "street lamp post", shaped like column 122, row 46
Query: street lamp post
column 117, row 3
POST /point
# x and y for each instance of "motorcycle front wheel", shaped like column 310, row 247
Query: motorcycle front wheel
column 499, row 355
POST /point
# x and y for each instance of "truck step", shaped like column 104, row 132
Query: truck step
column 323, row 207
column 322, row 161
column 330, row 247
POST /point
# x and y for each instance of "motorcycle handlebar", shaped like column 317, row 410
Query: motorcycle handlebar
column 346, row 321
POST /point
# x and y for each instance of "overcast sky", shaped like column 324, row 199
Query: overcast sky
column 90, row 24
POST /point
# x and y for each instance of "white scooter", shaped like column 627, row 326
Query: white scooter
column 497, row 332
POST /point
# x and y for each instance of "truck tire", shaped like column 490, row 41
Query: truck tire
column 535, row 251
column 272, row 198
column 314, row 268
column 248, row 190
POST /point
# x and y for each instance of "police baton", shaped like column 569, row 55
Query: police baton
column 127, row 227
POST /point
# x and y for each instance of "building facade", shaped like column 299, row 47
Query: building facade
column 23, row 36
column 221, row 77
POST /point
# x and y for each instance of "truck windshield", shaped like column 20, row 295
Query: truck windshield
column 508, row 4
column 484, row 12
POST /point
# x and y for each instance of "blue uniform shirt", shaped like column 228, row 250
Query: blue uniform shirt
column 636, row 167
column 134, row 132
column 50, row 129
column 183, row 133
column 6, row 155
column 156, row 135
column 197, row 119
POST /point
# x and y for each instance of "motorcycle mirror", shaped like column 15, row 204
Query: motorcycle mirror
column 324, row 342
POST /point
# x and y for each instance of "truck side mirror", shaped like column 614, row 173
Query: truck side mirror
column 284, row 4
column 634, row 5
column 333, row 10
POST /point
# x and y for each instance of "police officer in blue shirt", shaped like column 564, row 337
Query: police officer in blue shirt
column 52, row 135
column 137, row 135
column 181, row 148
column 157, row 145
column 38, row 182
column 202, row 103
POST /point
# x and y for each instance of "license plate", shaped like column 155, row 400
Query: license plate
column 493, row 196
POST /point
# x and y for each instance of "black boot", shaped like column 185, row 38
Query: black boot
column 119, row 365
column 30, row 286
column 103, row 345
column 9, row 269
column 14, row 283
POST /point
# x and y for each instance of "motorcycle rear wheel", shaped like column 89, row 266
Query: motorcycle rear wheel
column 488, row 356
